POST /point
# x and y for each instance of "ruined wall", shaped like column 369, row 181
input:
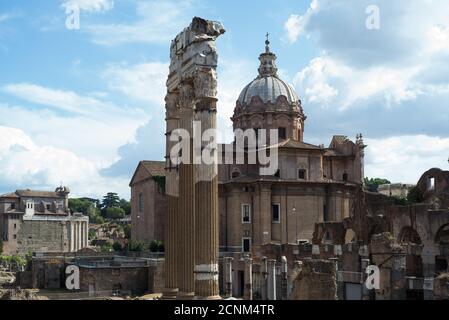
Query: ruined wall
column 316, row 280
column 42, row 236
column 156, row 276
column 105, row 280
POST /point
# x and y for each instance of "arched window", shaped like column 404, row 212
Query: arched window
column 140, row 202
column 282, row 133
column 442, row 236
column 302, row 174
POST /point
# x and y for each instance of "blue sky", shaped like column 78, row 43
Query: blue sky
column 83, row 106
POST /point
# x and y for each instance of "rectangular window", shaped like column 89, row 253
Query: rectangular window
column 140, row 202
column 325, row 214
column 246, row 244
column 15, row 226
column 282, row 133
column 431, row 184
column 246, row 213
column 48, row 206
column 276, row 212
column 13, row 206
column 301, row 174
column 15, row 236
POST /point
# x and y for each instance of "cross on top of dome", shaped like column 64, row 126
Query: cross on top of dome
column 267, row 61
column 267, row 43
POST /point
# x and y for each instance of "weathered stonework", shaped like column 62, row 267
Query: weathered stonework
column 192, row 229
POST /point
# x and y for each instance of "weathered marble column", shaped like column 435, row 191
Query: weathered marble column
column 79, row 235
column 271, row 279
column 248, row 291
column 72, row 237
column 228, row 276
column 206, row 187
column 172, row 193
column 284, row 284
column 192, row 75
column 186, row 221
column 365, row 292
column 265, row 213
column 82, row 234
column 264, row 271
column 87, row 233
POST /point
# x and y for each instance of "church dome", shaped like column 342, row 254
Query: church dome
column 267, row 86
column 268, row 89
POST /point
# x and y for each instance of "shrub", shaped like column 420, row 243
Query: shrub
column 134, row 245
column 156, row 246
column 106, row 248
column 117, row 246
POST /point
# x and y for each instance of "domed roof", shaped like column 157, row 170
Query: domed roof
column 268, row 86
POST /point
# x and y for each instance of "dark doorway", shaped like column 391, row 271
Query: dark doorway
column 241, row 283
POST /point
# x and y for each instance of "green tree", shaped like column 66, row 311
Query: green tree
column 415, row 196
column 374, row 183
column 87, row 208
column 117, row 246
column 115, row 213
column 126, row 206
column 78, row 205
column 110, row 200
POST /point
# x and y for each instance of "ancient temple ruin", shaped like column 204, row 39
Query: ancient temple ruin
column 192, row 188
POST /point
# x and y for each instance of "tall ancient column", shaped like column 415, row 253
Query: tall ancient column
column 228, row 276
column 248, row 277
column 172, row 193
column 194, row 260
column 186, row 221
column 206, row 188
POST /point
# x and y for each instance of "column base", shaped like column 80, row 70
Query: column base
column 186, row 296
column 209, row 298
column 169, row 294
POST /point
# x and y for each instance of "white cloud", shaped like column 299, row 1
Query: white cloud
column 94, row 139
column 144, row 81
column 90, row 5
column 28, row 165
column 69, row 101
column 296, row 24
column 438, row 36
column 328, row 81
column 157, row 21
column 405, row 158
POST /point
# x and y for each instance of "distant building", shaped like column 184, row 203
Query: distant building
column 39, row 221
column 395, row 189
column 101, row 274
column 148, row 201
